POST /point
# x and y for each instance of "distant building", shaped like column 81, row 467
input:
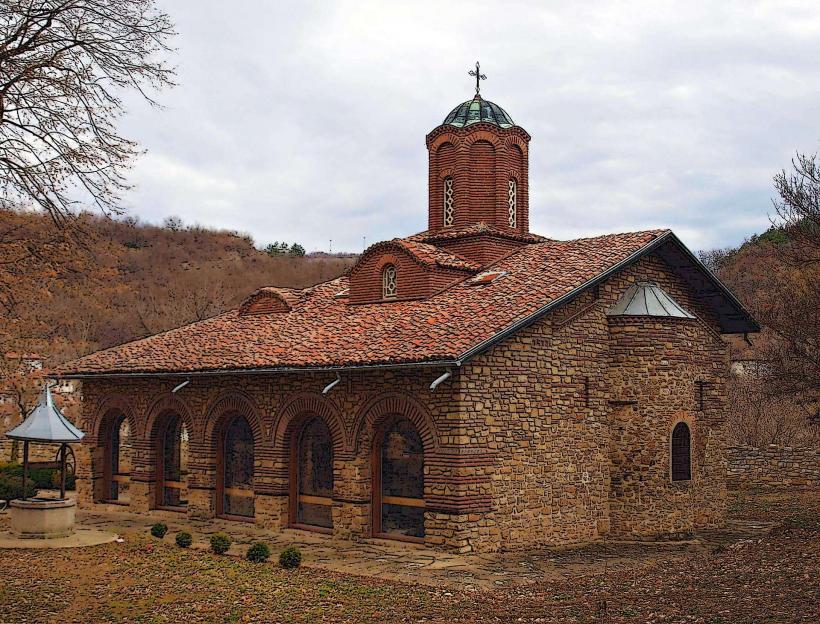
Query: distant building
column 474, row 387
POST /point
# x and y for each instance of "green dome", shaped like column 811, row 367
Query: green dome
column 478, row 110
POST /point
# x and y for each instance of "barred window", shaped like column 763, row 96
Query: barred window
column 449, row 204
column 389, row 288
column 512, row 198
column 681, row 453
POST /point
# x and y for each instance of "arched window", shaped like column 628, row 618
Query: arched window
column 681, row 453
column 118, row 461
column 389, row 287
column 313, row 504
column 398, row 485
column 449, row 202
column 237, row 457
column 512, row 201
column 172, row 463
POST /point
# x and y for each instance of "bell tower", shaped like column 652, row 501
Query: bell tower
column 478, row 168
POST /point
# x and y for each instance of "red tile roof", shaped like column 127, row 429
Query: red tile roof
column 322, row 330
column 431, row 255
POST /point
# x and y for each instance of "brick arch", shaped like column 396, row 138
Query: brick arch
column 297, row 409
column 163, row 405
column 446, row 173
column 113, row 403
column 227, row 404
column 386, row 405
column 482, row 135
column 445, row 137
column 516, row 141
column 382, row 262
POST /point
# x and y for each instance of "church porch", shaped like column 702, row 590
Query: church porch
column 381, row 455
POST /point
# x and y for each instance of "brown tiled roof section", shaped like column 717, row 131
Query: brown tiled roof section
column 431, row 255
column 324, row 331
column 476, row 229
column 270, row 299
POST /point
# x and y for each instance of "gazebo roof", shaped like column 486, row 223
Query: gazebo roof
column 45, row 423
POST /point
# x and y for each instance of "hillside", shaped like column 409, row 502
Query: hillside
column 104, row 282
column 773, row 398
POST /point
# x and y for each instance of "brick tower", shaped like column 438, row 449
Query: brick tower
column 478, row 164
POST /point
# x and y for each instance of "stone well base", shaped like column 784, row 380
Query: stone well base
column 38, row 518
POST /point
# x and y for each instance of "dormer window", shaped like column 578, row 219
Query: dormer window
column 449, row 204
column 389, row 288
column 512, row 200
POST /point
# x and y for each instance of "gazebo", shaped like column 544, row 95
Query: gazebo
column 44, row 517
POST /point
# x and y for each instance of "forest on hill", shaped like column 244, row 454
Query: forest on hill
column 96, row 282
column 773, row 395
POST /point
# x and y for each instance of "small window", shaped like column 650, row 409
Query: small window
column 681, row 453
column 512, row 197
column 389, row 289
column 449, row 205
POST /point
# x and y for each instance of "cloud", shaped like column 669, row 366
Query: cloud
column 306, row 121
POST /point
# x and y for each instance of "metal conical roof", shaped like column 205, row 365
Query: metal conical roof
column 478, row 110
column 45, row 423
column 647, row 299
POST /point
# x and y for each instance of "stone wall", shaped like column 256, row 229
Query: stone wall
column 656, row 367
column 772, row 467
column 577, row 410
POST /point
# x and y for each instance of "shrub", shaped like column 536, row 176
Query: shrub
column 70, row 480
column 258, row 552
column 12, row 487
column 220, row 543
column 184, row 539
column 290, row 558
column 159, row 530
column 42, row 478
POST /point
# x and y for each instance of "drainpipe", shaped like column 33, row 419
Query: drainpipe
column 439, row 379
column 332, row 384
column 180, row 386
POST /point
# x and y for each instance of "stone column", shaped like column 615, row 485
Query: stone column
column 351, row 496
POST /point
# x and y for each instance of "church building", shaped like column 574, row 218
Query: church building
column 474, row 387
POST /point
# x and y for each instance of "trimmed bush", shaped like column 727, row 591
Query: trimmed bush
column 220, row 543
column 184, row 539
column 42, row 478
column 12, row 487
column 290, row 558
column 258, row 552
column 159, row 530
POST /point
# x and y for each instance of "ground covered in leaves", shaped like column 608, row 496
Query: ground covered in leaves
column 770, row 578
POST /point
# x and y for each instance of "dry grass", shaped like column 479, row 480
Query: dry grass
column 772, row 578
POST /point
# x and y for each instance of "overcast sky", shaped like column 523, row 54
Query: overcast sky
column 305, row 121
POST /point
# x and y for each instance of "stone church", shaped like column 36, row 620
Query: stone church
column 475, row 387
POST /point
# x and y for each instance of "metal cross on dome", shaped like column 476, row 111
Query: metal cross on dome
column 478, row 76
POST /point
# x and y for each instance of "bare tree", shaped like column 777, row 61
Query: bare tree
column 798, row 210
column 64, row 67
column 792, row 309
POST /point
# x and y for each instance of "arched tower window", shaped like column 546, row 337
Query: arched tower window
column 512, row 202
column 389, row 287
column 449, row 203
column 681, row 453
